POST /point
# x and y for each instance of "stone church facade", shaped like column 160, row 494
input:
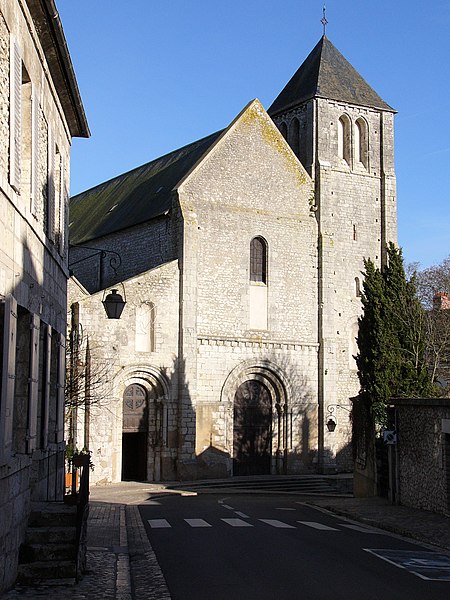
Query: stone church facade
column 240, row 260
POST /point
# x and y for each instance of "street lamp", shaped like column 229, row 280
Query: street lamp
column 114, row 304
column 331, row 421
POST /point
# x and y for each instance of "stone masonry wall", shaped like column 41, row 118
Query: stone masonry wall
column 117, row 364
column 421, row 453
column 250, row 185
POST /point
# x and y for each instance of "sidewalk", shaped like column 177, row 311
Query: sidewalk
column 123, row 566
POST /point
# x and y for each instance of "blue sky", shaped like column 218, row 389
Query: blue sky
column 155, row 75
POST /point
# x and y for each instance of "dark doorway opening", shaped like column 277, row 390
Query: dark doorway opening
column 134, row 457
column 134, row 433
column 252, row 429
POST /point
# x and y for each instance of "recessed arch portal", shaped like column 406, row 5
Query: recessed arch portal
column 257, row 430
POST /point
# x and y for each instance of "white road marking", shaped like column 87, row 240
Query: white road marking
column 197, row 523
column 315, row 525
column 285, row 509
column 237, row 523
column 362, row 529
column 276, row 523
column 159, row 523
column 241, row 514
column 228, row 506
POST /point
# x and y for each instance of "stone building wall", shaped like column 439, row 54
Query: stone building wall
column 249, row 185
column 117, row 363
column 423, row 429
column 140, row 248
column 355, row 204
column 33, row 271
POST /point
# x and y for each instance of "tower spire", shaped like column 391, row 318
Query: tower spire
column 323, row 20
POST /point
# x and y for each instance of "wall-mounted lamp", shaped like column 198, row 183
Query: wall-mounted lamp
column 114, row 304
column 331, row 420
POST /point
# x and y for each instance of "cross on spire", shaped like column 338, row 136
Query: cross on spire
column 323, row 20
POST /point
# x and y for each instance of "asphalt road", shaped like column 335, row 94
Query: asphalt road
column 213, row 547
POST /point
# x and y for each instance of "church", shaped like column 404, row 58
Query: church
column 239, row 258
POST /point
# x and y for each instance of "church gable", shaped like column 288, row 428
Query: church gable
column 248, row 192
column 251, row 167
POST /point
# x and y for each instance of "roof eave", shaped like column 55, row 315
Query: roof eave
column 51, row 34
column 293, row 105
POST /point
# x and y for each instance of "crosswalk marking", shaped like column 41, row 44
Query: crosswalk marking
column 237, row 523
column 241, row 514
column 320, row 526
column 276, row 523
column 360, row 528
column 197, row 523
column 159, row 523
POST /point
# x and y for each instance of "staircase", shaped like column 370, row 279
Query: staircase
column 323, row 485
column 50, row 548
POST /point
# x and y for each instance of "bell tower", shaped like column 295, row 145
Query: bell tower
column 343, row 134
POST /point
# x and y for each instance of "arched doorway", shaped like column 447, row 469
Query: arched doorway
column 134, row 433
column 252, row 429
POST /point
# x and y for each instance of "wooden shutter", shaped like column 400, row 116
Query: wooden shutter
column 34, row 150
column 15, row 107
column 8, row 378
column 33, row 397
column 51, row 187
column 60, row 388
column 62, row 206
column 46, row 407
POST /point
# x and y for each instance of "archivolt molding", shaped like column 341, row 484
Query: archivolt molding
column 266, row 372
column 150, row 378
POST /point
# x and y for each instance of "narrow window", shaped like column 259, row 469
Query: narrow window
column 357, row 287
column 294, row 136
column 361, row 142
column 258, row 260
column 344, row 141
column 355, row 235
column 283, row 129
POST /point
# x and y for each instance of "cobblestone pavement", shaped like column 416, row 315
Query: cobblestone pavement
column 121, row 563
column 123, row 566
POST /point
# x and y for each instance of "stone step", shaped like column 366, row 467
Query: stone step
column 33, row 553
column 53, row 535
column 37, row 572
column 57, row 514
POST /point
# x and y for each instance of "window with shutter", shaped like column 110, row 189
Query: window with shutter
column 8, row 367
column 15, row 150
column 50, row 204
column 34, row 151
column 34, row 384
column 60, row 387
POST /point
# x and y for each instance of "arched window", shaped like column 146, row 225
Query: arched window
column 283, row 129
column 361, row 142
column 294, row 135
column 258, row 260
column 344, row 141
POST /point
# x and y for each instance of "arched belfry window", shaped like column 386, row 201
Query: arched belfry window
column 258, row 260
column 361, row 142
column 344, row 138
column 294, row 135
column 283, row 129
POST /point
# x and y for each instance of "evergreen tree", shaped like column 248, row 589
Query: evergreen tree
column 391, row 339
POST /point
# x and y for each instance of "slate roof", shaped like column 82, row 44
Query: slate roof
column 326, row 74
column 134, row 197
